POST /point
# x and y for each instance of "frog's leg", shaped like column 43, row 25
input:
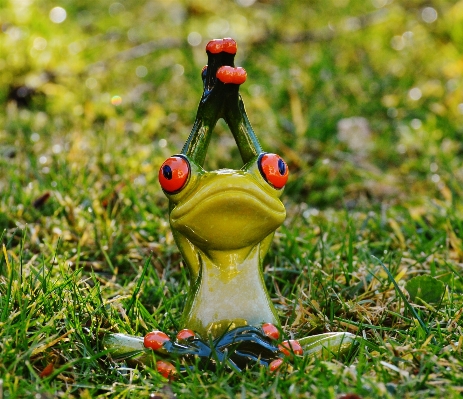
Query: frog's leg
column 234, row 113
column 237, row 119
column 219, row 52
column 328, row 344
column 221, row 99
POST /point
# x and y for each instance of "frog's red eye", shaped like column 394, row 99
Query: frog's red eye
column 173, row 174
column 273, row 169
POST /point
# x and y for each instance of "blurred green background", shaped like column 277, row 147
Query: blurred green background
column 363, row 99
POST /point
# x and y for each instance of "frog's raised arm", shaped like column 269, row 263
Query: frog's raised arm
column 221, row 99
column 238, row 122
column 211, row 103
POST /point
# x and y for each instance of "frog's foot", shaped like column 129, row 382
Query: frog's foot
column 220, row 52
column 237, row 349
column 226, row 45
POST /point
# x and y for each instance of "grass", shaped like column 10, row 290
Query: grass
column 86, row 247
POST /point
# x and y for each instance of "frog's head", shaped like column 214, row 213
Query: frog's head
column 223, row 213
column 225, row 210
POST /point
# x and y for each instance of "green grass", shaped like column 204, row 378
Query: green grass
column 86, row 247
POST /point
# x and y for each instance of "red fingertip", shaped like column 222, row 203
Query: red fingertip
column 166, row 369
column 270, row 331
column 47, row 370
column 229, row 45
column 225, row 74
column 291, row 346
column 185, row 334
column 155, row 340
column 275, row 365
column 214, row 46
column 228, row 74
column 239, row 76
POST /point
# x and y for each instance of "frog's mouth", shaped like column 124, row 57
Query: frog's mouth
column 229, row 212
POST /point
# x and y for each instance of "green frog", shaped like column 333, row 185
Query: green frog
column 223, row 223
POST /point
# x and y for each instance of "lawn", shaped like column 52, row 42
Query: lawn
column 364, row 101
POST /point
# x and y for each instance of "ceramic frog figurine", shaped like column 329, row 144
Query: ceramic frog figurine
column 223, row 223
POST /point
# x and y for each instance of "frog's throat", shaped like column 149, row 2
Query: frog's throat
column 228, row 294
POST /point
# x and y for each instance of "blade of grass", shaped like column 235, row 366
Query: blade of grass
column 139, row 283
column 407, row 303
column 9, row 270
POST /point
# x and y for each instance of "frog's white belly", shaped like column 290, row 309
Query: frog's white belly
column 231, row 295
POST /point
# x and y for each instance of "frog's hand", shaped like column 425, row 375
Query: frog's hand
column 328, row 345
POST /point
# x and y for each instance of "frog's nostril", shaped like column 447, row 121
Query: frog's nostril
column 167, row 172
column 281, row 167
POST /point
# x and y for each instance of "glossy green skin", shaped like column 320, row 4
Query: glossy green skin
column 223, row 223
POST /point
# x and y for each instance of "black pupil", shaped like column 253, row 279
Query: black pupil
column 281, row 166
column 167, row 172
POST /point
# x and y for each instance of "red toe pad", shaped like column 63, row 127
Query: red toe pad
column 226, row 45
column 228, row 74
